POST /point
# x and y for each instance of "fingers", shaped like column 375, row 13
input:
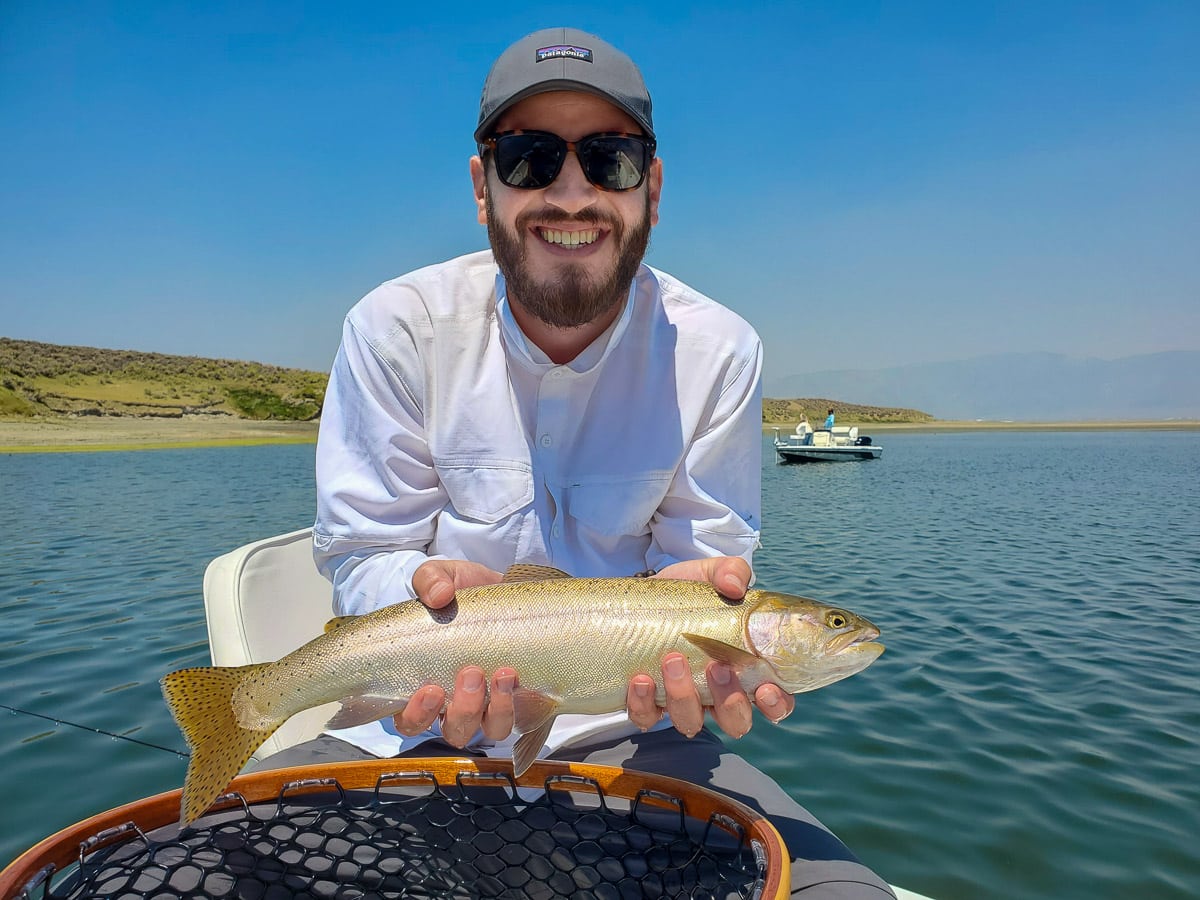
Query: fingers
column 498, row 717
column 464, row 715
column 436, row 580
column 731, row 576
column 683, row 700
column 644, row 712
column 433, row 586
column 728, row 574
column 422, row 709
column 731, row 708
column 776, row 703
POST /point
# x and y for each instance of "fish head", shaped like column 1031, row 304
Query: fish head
column 809, row 644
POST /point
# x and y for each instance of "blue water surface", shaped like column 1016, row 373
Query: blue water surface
column 1033, row 729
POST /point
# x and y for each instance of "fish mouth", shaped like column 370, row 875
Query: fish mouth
column 858, row 639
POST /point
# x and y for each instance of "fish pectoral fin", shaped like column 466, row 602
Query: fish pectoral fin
column 530, row 572
column 365, row 709
column 533, row 715
column 336, row 623
column 734, row 657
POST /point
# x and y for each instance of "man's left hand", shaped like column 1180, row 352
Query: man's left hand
column 731, row 708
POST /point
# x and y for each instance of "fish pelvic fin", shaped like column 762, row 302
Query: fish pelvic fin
column 734, row 657
column 201, row 700
column 531, row 572
column 533, row 715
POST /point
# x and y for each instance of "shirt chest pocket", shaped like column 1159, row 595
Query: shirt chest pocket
column 486, row 491
column 617, row 506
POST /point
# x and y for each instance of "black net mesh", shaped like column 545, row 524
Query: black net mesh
column 411, row 836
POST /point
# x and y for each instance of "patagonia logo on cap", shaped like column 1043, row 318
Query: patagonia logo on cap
column 563, row 51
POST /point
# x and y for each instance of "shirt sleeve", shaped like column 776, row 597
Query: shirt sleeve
column 713, row 505
column 378, row 494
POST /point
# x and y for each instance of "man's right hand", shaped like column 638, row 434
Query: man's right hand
column 435, row 584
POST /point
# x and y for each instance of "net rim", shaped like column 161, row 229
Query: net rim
column 63, row 847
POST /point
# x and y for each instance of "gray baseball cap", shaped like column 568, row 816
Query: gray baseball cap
column 563, row 59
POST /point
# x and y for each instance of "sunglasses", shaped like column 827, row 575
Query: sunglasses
column 531, row 160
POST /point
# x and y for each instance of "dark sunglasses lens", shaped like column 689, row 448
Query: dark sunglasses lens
column 529, row 160
column 614, row 163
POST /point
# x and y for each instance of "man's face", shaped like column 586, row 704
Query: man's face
column 568, row 252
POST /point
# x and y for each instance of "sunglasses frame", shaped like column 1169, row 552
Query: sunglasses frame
column 566, row 147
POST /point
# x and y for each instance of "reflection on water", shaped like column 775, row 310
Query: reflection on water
column 1031, row 731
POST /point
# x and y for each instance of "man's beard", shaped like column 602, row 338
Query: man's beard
column 571, row 299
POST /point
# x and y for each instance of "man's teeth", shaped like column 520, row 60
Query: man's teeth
column 569, row 238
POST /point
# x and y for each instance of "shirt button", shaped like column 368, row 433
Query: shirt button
column 546, row 440
column 554, row 532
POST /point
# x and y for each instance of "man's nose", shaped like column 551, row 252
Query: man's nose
column 571, row 191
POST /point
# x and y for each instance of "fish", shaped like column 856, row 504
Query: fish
column 574, row 643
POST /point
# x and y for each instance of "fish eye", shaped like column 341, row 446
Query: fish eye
column 836, row 619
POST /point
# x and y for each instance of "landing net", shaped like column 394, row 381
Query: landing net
column 424, row 828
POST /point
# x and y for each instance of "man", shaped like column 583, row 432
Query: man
column 554, row 401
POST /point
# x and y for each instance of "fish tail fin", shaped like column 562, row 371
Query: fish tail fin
column 201, row 700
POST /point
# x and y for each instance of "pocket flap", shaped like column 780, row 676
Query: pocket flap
column 617, row 506
column 486, row 491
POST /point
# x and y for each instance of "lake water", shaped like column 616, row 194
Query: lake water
column 1032, row 731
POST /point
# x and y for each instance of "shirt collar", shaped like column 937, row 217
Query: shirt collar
column 529, row 353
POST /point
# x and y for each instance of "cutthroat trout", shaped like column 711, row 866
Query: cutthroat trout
column 574, row 642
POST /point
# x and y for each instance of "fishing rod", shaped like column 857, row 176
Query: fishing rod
column 121, row 737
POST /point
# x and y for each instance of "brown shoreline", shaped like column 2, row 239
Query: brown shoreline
column 123, row 433
column 54, row 435
column 969, row 425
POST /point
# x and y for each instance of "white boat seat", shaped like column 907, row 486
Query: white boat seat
column 261, row 602
column 822, row 439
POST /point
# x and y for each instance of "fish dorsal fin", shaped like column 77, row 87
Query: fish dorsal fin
column 530, row 572
column 734, row 657
column 533, row 715
column 336, row 623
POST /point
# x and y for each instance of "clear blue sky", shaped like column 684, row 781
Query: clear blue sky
column 870, row 184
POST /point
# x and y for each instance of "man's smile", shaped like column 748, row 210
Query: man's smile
column 569, row 239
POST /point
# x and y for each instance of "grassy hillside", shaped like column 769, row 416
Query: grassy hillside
column 51, row 380
column 787, row 412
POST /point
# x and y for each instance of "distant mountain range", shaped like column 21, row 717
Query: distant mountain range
column 1028, row 387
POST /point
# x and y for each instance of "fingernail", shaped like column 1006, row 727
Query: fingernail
column 721, row 675
column 676, row 668
column 429, row 701
column 642, row 689
column 505, row 683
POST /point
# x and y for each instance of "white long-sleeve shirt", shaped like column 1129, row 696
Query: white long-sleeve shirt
column 447, row 434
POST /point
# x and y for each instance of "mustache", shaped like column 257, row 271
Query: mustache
column 549, row 215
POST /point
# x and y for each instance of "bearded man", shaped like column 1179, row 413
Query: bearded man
column 555, row 401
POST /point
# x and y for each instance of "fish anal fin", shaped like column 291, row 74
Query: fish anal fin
column 734, row 657
column 337, row 622
column 529, row 745
column 364, row 709
column 201, row 700
column 530, row 572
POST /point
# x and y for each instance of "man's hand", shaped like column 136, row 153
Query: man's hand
column 435, row 583
column 731, row 708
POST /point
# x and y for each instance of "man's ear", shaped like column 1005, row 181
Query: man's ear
column 479, row 182
column 655, row 180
